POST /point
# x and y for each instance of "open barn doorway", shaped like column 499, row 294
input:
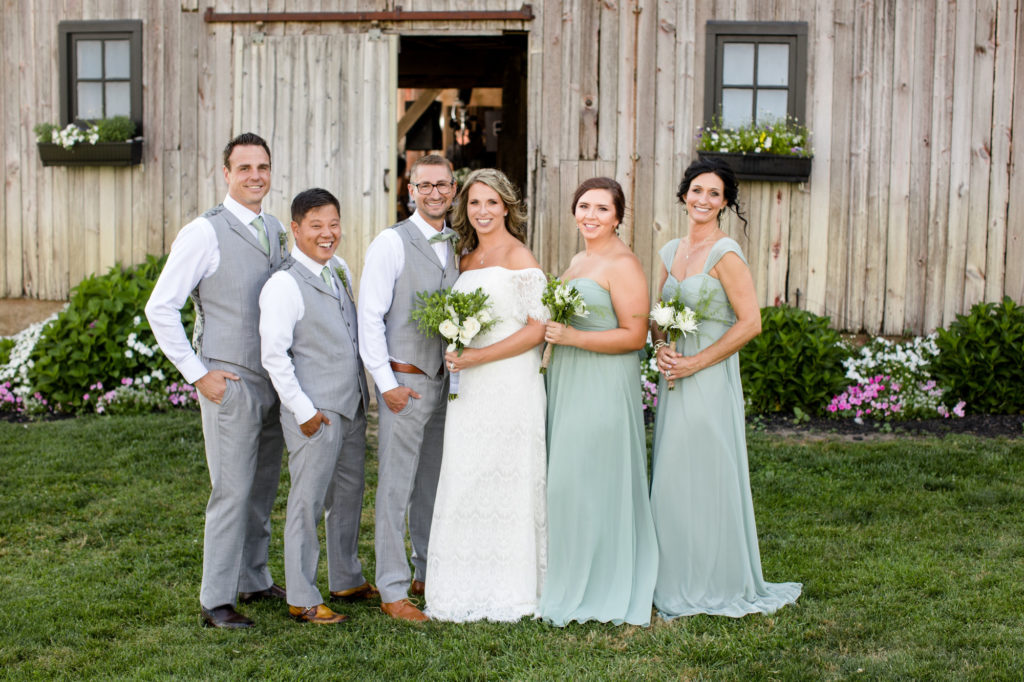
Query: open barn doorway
column 463, row 97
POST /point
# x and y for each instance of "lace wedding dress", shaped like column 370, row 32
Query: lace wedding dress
column 488, row 539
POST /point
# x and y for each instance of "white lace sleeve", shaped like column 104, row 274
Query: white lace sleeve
column 529, row 287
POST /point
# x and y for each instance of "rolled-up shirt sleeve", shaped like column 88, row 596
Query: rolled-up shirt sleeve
column 194, row 256
column 384, row 262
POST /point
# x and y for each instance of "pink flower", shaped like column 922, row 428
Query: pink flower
column 959, row 409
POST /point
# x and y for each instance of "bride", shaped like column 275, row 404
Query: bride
column 488, row 538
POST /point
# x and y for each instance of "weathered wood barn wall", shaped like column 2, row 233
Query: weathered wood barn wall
column 913, row 211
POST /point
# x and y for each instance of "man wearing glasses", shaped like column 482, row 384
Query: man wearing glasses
column 411, row 380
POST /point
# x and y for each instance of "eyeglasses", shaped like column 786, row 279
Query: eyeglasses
column 443, row 187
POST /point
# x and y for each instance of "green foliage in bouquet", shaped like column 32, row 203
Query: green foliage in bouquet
column 981, row 358
column 103, row 336
column 796, row 362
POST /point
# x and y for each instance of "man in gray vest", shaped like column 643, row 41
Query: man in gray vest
column 222, row 259
column 310, row 349
column 411, row 380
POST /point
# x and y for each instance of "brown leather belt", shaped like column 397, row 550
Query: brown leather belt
column 406, row 369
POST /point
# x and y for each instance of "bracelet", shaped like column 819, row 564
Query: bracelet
column 661, row 343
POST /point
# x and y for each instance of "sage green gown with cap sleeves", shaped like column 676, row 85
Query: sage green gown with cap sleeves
column 709, row 561
column 602, row 553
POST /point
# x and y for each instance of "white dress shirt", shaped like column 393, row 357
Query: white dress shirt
column 384, row 262
column 281, row 307
column 195, row 255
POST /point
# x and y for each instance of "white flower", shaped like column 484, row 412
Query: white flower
column 768, row 143
column 471, row 327
column 484, row 317
column 662, row 315
column 450, row 348
column 128, row 353
column 136, row 320
column 449, row 330
column 686, row 321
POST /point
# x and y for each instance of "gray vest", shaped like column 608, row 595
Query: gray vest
column 325, row 350
column 422, row 272
column 227, row 304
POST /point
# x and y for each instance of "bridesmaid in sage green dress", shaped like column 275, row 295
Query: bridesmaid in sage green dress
column 709, row 560
column 602, row 551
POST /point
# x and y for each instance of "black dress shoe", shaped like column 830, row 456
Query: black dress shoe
column 225, row 617
column 275, row 591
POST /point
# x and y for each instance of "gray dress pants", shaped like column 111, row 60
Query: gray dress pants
column 409, row 456
column 326, row 472
column 244, row 447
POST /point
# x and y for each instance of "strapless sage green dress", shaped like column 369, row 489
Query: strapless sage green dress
column 709, row 560
column 602, row 552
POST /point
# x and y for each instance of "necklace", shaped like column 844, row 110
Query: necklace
column 483, row 254
column 690, row 247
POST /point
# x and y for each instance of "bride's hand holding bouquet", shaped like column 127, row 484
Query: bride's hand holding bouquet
column 458, row 317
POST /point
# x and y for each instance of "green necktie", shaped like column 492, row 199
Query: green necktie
column 261, row 234
column 325, row 275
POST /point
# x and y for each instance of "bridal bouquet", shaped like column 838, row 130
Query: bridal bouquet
column 675, row 319
column 563, row 302
column 457, row 316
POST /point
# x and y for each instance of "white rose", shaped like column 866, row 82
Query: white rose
column 484, row 317
column 448, row 329
column 471, row 326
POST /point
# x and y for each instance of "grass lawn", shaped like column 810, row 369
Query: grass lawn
column 911, row 553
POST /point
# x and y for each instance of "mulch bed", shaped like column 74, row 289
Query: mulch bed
column 988, row 425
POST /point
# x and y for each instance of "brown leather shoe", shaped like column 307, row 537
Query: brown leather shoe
column 275, row 591
column 417, row 589
column 224, row 617
column 364, row 591
column 403, row 609
column 319, row 614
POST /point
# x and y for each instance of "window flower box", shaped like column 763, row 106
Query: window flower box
column 761, row 166
column 127, row 153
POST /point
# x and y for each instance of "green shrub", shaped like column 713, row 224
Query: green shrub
column 6, row 344
column 796, row 362
column 981, row 358
column 116, row 129
column 103, row 336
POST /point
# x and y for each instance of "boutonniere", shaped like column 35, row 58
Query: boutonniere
column 283, row 240
column 340, row 272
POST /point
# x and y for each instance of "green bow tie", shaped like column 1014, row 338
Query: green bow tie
column 442, row 237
